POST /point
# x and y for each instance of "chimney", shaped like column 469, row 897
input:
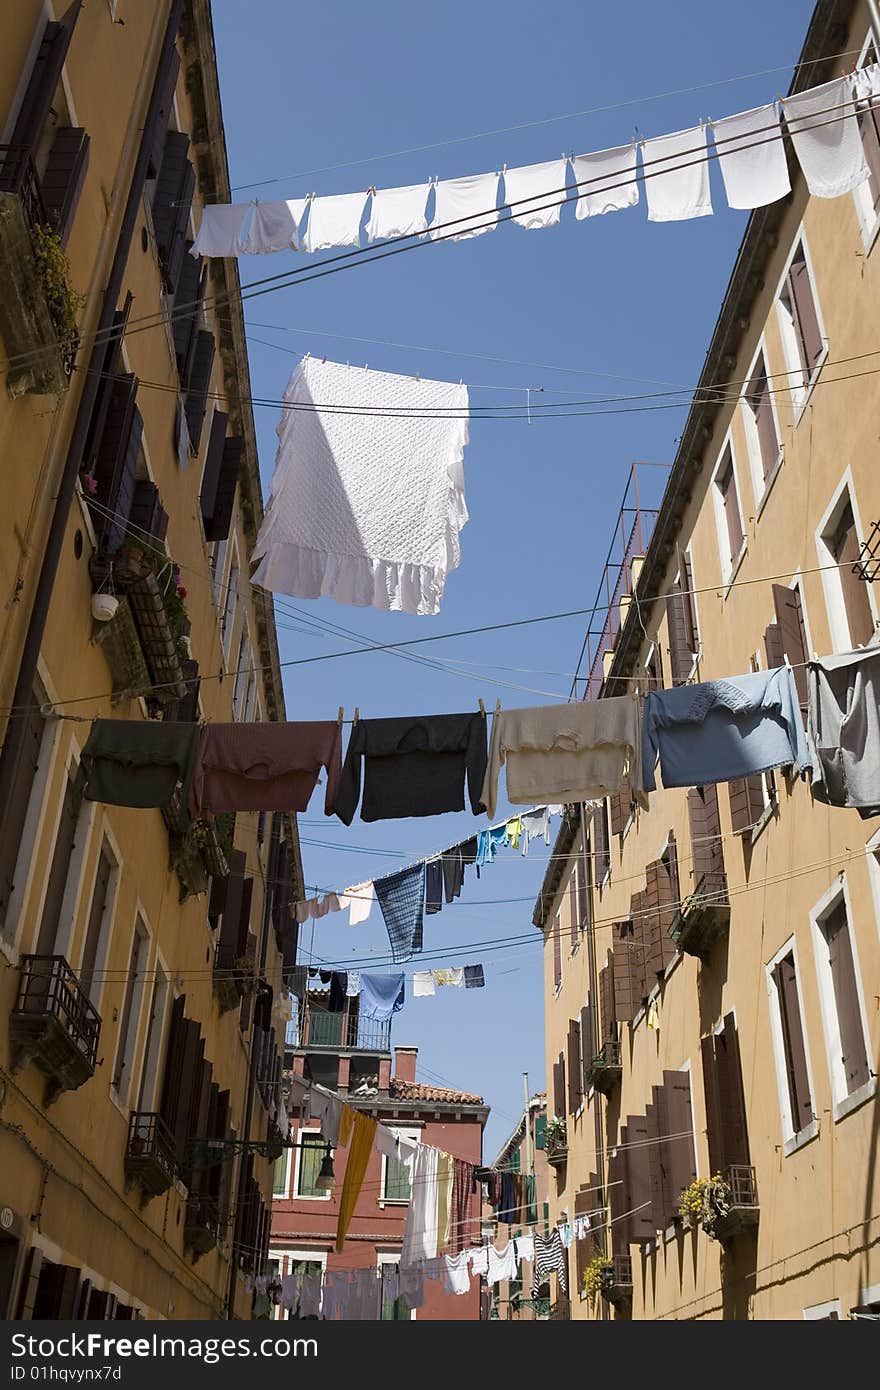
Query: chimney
column 405, row 1063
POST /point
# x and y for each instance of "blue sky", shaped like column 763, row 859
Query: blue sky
column 623, row 305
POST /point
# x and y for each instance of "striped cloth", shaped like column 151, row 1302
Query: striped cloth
column 401, row 897
column 549, row 1258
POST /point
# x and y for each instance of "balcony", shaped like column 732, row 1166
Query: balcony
column 341, row 1032
column 703, row 918
column 604, row 1071
column 121, row 645
column 557, row 1146
column 138, row 571
column 54, row 1024
column 618, row 1286
column 202, row 1224
column 149, row 1155
column 26, row 323
column 743, row 1210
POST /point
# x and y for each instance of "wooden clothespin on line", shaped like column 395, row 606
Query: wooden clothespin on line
column 340, row 716
column 357, row 714
column 482, row 708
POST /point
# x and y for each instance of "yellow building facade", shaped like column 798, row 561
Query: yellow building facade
column 141, row 961
column 712, row 965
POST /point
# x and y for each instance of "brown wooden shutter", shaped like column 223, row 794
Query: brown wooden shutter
column 792, row 634
column 45, row 77
column 65, row 174
column 217, row 528
column 247, row 1004
column 56, row 1293
column 197, row 386
column 213, row 459
column 16, row 809
column 618, row 1199
column 660, row 903
column 714, row 1130
column 608, row 1015
column 746, row 802
column 93, row 927
column 680, row 656
column 638, row 912
column 230, row 925
column 637, row 1162
column 588, row 1043
column 172, row 200
column 62, row 853
column 102, row 1306
column 678, row 1120
column 618, row 808
column 187, row 309
column 705, row 825
column 166, row 106
column 765, row 425
column 845, row 548
column 147, row 513
column 601, row 849
column 627, row 972
column 557, row 952
column 573, row 918
column 169, row 1099
column 804, row 303
column 82, row 1300
column 115, row 462
column 731, row 1099
column 797, row 1076
column 559, row 1087
column 575, row 1071
column 30, row 1281
column 836, row 931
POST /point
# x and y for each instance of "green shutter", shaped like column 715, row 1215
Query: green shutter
column 310, row 1159
column 541, row 1132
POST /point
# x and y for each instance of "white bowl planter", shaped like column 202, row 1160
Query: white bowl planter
column 104, row 607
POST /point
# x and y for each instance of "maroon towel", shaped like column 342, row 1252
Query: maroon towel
column 460, row 1234
column 266, row 767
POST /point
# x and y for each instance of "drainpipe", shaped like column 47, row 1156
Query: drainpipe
column 10, row 756
column 247, row 1116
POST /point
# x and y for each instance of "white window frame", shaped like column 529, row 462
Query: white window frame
column 284, row 1193
column 287, row 1257
column 800, row 390
column 108, row 919
column 148, row 1085
column 843, row 1102
column 388, row 1258
column 729, row 563
column 241, row 680
column 818, row 1312
column 761, row 487
column 412, row 1136
column 792, row 1139
column 835, row 608
column 295, row 1193
column 73, row 887
column 869, row 221
column 121, row 1095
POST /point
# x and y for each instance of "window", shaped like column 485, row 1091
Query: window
column 790, row 1049
column 148, row 1091
column 575, row 1066
column 681, row 624
column 841, row 1002
column 129, row 1017
column 802, row 339
column 243, row 675
column 21, row 807
column 823, row 1312
column 867, row 195
column 731, row 537
column 761, row 430
column 62, row 854
column 601, row 845
column 281, row 1174
column 851, row 618
column 396, row 1173
column 786, row 638
column 393, row 1307
column 557, row 951
column 99, row 923
column 309, row 1159
column 227, row 622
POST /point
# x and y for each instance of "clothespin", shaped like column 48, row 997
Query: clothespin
column 529, row 404
column 498, row 706
column 340, row 716
column 482, row 707
column 357, row 714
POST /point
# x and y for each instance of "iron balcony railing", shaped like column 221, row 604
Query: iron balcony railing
column 50, row 989
column 740, row 1178
column 150, row 1139
column 318, row 1028
column 18, row 174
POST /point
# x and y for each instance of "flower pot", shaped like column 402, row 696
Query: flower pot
column 104, row 607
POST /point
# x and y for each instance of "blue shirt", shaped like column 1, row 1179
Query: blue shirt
column 381, row 995
column 720, row 730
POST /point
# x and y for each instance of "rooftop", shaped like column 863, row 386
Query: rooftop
column 416, row 1090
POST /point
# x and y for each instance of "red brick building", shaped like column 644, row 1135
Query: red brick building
column 353, row 1057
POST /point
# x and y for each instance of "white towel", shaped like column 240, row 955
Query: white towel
column 825, row 133
column 365, row 508
column 334, row 221
column 456, row 1273
column 220, row 229
column 454, row 976
column 473, row 197
column 525, row 1248
column 676, row 173
column 538, row 184
column 752, row 157
column 423, row 983
column 359, row 900
column 866, row 82
column 607, row 181
column 398, row 212
column 274, row 227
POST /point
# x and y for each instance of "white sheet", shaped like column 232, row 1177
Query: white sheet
column 274, row 227
column 677, row 176
column 474, row 198
column 398, row 212
column 607, row 181
column 752, row 157
column 334, row 221
column 530, row 188
column 825, row 133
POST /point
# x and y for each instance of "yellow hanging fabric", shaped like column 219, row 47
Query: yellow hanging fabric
column 445, row 1171
column 362, row 1141
column 513, row 830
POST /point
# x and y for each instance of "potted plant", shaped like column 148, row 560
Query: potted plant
column 598, row 1276
column 705, row 1202
column 555, row 1135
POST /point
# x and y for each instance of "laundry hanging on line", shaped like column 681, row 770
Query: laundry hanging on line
column 821, row 121
column 414, row 766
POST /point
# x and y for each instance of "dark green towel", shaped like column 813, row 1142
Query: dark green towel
column 139, row 762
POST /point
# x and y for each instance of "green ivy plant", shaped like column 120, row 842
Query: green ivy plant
column 64, row 304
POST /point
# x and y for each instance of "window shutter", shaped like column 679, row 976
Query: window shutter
column 731, row 1100
column 16, row 808
column 246, row 940
column 173, row 1053
column 147, row 513
column 679, row 1162
column 230, row 924
column 846, row 548
column 213, row 459
column 45, row 76
column 102, row 1306
column 638, row 912
column 846, row 997
column 793, row 637
column 618, row 808
column 768, row 440
column 82, row 1302
column 559, row 1087
column 197, row 387
column 627, row 975
column 637, row 1164
column 65, row 174
column 62, row 853
column 166, row 106
column 705, row 827
column 187, row 310
column 250, row 950
column 573, row 917
column 746, row 802
column 608, row 1016
column 217, row 529
column 660, row 906
column 172, row 201
column 30, row 1280
column 187, row 710
column 601, row 848
column 804, row 304
column 574, row 1065
column 658, row 1159
column 588, row 1044
column 680, row 657
column 795, row 1049
column 56, row 1292
column 116, row 461
column 773, row 646
column 711, row 1094
column 557, row 952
